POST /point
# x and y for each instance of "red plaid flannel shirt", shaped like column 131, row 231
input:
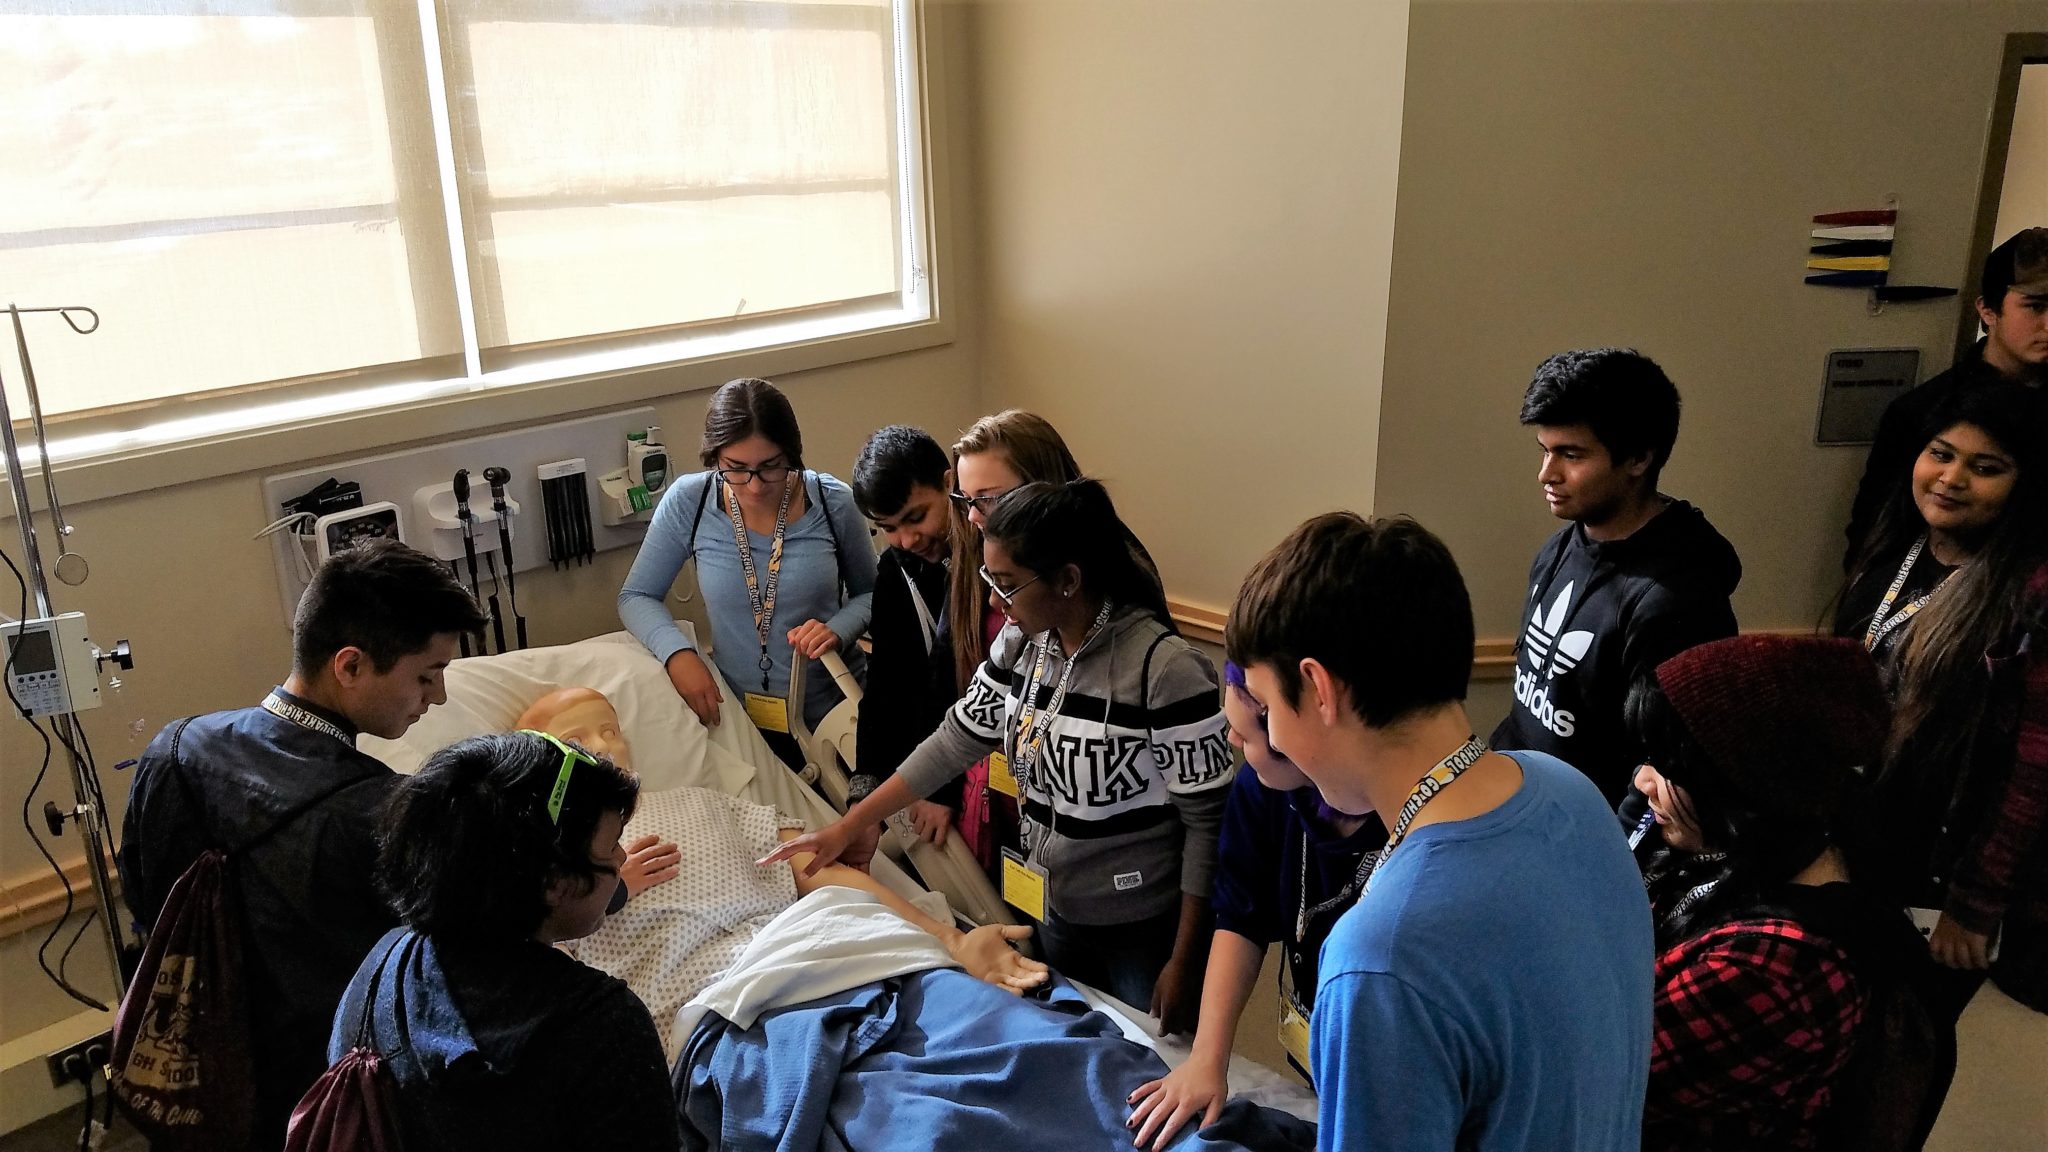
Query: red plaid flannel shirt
column 1753, row 1019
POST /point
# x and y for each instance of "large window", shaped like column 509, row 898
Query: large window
column 325, row 195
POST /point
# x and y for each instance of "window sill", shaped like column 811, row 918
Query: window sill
column 103, row 463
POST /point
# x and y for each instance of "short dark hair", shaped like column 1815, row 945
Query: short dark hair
column 382, row 597
column 1621, row 394
column 2023, row 257
column 892, row 462
column 467, row 849
column 747, row 407
column 1380, row 603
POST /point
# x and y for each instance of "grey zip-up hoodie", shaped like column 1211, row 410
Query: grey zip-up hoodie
column 1128, row 789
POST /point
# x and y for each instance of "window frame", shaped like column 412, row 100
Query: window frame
column 237, row 429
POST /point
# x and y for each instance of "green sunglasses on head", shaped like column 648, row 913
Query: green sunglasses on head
column 571, row 756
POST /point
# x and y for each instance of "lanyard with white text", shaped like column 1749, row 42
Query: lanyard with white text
column 1882, row 625
column 284, row 709
column 1034, row 722
column 924, row 612
column 761, row 598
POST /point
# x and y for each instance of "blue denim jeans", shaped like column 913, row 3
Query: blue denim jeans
column 1121, row 959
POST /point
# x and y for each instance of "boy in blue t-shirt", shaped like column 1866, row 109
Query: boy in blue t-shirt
column 1491, row 989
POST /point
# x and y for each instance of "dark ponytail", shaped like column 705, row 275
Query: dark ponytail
column 1046, row 527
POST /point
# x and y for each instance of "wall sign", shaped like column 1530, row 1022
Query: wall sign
column 1859, row 384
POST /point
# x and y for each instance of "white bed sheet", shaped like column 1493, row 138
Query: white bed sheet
column 671, row 749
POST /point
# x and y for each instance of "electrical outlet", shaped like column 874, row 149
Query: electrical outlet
column 88, row 1054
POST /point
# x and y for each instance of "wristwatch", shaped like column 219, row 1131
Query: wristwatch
column 859, row 787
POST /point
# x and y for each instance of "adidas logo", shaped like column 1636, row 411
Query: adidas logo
column 1542, row 630
column 1549, row 654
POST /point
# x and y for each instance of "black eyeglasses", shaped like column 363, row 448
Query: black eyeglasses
column 766, row 473
column 981, row 504
column 1010, row 597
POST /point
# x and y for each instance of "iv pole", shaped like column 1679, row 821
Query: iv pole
column 93, row 825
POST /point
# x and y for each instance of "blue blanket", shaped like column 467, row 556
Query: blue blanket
column 934, row 1060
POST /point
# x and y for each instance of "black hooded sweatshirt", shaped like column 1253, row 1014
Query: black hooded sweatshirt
column 1601, row 616
column 509, row 1046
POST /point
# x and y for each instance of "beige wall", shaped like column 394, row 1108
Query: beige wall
column 1187, row 208
column 2024, row 201
column 1578, row 174
column 174, row 571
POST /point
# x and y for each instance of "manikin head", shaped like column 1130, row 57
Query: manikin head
column 581, row 716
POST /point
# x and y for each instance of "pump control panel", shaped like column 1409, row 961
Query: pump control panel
column 50, row 665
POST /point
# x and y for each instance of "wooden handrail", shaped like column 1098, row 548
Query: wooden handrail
column 1492, row 659
column 34, row 899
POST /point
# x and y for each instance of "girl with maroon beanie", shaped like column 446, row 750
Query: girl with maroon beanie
column 1769, row 959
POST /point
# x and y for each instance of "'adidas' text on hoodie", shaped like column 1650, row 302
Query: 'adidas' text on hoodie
column 1600, row 616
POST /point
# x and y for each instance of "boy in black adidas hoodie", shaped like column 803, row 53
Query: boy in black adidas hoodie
column 1633, row 579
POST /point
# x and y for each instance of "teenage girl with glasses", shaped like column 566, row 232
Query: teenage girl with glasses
column 996, row 456
column 1109, row 723
column 498, row 849
column 783, row 562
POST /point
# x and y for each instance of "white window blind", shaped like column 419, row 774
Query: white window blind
column 252, row 194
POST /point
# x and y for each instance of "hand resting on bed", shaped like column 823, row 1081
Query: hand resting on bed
column 986, row 953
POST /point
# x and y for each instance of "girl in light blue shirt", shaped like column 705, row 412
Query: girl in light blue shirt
column 783, row 561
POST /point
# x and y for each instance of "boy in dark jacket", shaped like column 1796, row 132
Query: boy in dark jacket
column 374, row 631
column 1634, row 577
column 900, row 482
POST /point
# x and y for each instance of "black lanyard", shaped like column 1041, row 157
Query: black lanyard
column 1881, row 625
column 284, row 709
column 1446, row 770
column 761, row 598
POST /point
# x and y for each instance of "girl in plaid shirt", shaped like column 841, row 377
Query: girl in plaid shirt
column 1768, row 957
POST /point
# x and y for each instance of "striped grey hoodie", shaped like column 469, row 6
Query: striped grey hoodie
column 1127, row 796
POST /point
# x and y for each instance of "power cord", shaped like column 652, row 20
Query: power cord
column 56, row 974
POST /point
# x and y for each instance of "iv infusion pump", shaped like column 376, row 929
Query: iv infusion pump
column 50, row 664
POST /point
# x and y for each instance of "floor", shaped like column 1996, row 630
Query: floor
column 1999, row 1102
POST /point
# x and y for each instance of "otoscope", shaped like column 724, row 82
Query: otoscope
column 497, row 478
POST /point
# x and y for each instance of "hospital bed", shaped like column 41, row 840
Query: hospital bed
column 672, row 749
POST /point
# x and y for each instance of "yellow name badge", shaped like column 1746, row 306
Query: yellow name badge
column 1294, row 1034
column 1023, row 885
column 769, row 713
column 999, row 777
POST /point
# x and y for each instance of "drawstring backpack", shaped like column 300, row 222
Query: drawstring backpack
column 354, row 1104
column 181, row 1068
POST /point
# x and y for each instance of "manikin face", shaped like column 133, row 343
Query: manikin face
column 584, row 717
column 760, row 493
column 1671, row 806
column 1581, row 480
column 1961, row 482
column 387, row 703
column 2017, row 332
column 921, row 527
column 984, row 476
column 574, row 913
column 1248, row 735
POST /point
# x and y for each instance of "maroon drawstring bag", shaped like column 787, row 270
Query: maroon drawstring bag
column 181, row 1068
column 353, row 1106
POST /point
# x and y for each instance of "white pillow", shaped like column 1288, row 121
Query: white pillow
column 671, row 748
